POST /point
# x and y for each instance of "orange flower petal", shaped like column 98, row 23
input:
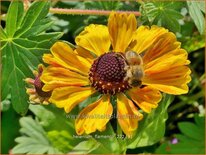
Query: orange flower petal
column 146, row 98
column 69, row 97
column 54, row 77
column 165, row 66
column 85, row 54
column 64, row 56
column 121, row 29
column 144, row 37
column 94, row 38
column 175, row 58
column 94, row 117
column 127, row 114
column 171, row 81
column 165, row 43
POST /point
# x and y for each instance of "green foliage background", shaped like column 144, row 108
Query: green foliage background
column 26, row 34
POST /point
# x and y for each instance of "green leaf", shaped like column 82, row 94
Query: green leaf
column 194, row 43
column 188, row 147
column 37, row 29
column 85, row 147
column 9, row 131
column 200, row 121
column 162, row 14
column 174, row 14
column 60, row 136
column 108, row 142
column 104, row 142
column 163, row 148
column 21, row 54
column 197, row 15
column 191, row 130
column 61, row 140
column 2, row 34
column 64, row 137
column 170, row 22
column 46, row 36
column 50, row 117
column 6, row 103
column 201, row 5
column 33, row 139
column 33, row 16
column 191, row 141
column 152, row 127
column 14, row 15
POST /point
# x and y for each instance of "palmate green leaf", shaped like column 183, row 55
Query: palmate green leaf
column 152, row 127
column 50, row 117
column 23, row 43
column 195, row 11
column 170, row 21
column 33, row 17
column 58, row 126
column 2, row 33
column 14, row 17
column 34, row 139
column 162, row 14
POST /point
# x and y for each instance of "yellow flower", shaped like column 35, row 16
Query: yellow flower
column 99, row 64
column 36, row 95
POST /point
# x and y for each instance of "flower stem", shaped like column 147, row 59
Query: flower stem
column 88, row 12
column 80, row 11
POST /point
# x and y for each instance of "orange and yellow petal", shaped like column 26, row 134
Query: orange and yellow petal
column 127, row 114
column 94, row 38
column 69, row 97
column 121, row 29
column 171, row 81
column 64, row 56
column 173, row 59
column 55, row 77
column 164, row 44
column 85, row 54
column 146, row 98
column 94, row 117
column 145, row 36
column 165, row 66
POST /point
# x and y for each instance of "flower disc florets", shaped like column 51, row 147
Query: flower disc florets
column 107, row 74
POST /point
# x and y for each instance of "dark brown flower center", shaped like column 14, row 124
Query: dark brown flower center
column 107, row 74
